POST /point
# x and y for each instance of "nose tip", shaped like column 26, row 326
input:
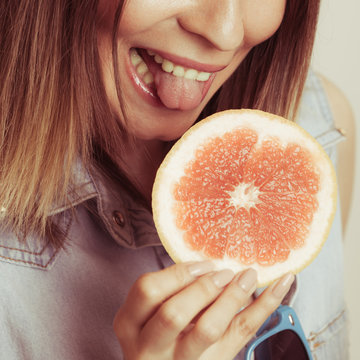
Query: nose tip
column 227, row 35
column 219, row 22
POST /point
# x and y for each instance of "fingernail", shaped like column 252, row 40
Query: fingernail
column 200, row 268
column 222, row 277
column 247, row 279
column 283, row 285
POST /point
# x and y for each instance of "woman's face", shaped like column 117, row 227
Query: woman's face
column 174, row 55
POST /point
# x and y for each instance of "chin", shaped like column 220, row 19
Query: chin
column 166, row 136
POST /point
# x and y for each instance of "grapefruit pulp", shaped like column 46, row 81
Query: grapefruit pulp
column 245, row 188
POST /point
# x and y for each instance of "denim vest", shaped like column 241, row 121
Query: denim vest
column 60, row 303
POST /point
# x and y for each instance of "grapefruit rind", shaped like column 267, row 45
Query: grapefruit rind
column 265, row 124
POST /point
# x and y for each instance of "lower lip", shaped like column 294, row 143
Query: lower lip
column 148, row 94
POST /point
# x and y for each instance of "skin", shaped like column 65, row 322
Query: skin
column 174, row 314
column 187, row 311
column 210, row 32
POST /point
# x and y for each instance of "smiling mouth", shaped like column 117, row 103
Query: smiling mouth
column 166, row 65
column 176, row 86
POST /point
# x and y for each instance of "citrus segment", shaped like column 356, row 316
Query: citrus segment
column 243, row 188
column 236, row 174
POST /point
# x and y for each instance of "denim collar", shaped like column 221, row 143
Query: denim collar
column 128, row 222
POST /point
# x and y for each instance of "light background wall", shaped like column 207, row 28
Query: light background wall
column 337, row 56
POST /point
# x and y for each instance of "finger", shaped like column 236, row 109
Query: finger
column 152, row 289
column 176, row 313
column 248, row 321
column 212, row 325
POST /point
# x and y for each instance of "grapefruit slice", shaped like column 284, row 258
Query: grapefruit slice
column 245, row 188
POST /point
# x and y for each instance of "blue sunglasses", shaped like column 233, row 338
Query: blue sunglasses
column 281, row 337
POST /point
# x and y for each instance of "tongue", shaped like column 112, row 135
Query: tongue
column 175, row 92
column 178, row 92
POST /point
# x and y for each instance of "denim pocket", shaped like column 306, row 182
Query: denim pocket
column 331, row 342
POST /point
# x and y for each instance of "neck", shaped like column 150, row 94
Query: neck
column 140, row 161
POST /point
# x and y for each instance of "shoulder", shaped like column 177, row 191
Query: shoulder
column 339, row 104
column 344, row 119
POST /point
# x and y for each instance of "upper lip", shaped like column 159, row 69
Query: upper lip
column 188, row 63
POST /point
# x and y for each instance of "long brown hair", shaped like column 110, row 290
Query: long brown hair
column 53, row 107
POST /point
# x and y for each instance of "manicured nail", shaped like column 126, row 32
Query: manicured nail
column 247, row 279
column 283, row 285
column 222, row 277
column 200, row 268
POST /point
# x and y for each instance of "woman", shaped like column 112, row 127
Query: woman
column 87, row 115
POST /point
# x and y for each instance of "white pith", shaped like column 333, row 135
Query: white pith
column 172, row 170
column 245, row 195
column 168, row 66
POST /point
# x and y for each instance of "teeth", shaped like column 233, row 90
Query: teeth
column 142, row 68
column 167, row 66
column 148, row 78
column 158, row 59
column 135, row 57
column 178, row 71
column 203, row 76
column 191, row 74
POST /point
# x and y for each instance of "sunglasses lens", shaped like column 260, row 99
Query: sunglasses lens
column 285, row 345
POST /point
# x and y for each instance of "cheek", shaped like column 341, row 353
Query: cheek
column 261, row 19
column 140, row 15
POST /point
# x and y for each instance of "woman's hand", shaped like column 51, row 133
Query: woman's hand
column 188, row 311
